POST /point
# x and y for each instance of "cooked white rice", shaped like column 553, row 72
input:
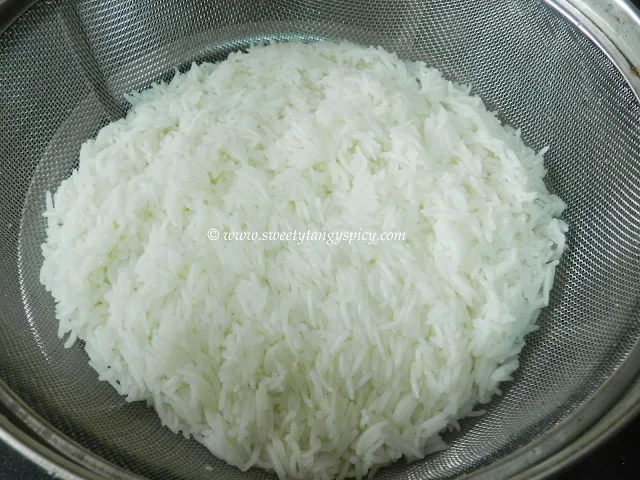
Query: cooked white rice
column 314, row 360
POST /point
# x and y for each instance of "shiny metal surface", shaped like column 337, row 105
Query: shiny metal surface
column 565, row 71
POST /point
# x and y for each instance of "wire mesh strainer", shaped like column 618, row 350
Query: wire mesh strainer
column 561, row 70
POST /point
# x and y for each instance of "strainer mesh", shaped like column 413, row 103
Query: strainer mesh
column 65, row 65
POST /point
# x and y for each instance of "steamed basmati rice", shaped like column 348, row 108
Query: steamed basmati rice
column 314, row 360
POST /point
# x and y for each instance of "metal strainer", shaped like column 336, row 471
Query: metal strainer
column 562, row 70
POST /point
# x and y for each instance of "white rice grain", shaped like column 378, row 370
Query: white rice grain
column 316, row 359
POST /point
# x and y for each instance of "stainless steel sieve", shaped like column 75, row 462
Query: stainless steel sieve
column 564, row 71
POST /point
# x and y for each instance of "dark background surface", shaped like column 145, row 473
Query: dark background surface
column 617, row 459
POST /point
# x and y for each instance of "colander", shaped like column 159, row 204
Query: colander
column 564, row 71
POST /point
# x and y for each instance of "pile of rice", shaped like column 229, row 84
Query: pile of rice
column 314, row 360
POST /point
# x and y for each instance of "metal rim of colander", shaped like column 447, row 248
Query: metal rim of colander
column 614, row 26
